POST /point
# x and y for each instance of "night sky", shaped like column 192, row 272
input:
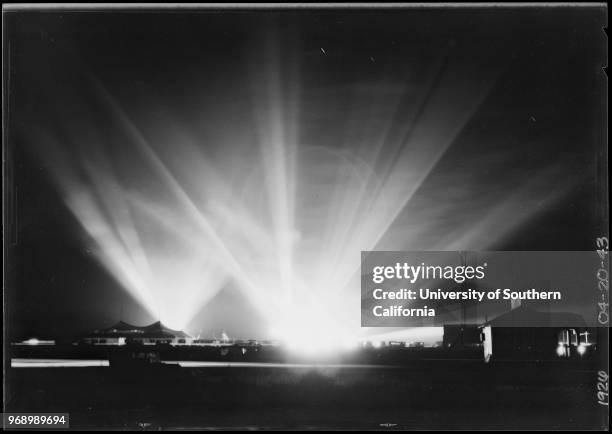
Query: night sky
column 544, row 114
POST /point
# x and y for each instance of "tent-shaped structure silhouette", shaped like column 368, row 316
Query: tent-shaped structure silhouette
column 123, row 330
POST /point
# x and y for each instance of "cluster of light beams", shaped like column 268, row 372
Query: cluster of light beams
column 285, row 224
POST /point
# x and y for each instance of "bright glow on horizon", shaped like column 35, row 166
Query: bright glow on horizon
column 314, row 333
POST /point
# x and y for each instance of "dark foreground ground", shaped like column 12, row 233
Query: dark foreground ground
column 437, row 394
